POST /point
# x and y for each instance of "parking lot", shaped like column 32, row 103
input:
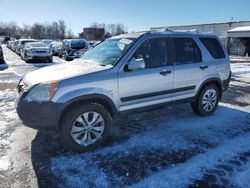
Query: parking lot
column 166, row 147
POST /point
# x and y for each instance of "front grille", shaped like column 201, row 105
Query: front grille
column 21, row 88
column 40, row 52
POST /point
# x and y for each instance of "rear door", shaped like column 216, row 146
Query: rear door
column 188, row 67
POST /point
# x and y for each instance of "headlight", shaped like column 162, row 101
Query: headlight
column 42, row 92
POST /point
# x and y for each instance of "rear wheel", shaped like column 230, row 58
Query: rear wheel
column 207, row 101
column 85, row 127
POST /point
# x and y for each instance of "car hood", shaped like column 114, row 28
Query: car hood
column 62, row 71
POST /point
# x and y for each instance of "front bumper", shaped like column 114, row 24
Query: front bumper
column 44, row 116
column 39, row 56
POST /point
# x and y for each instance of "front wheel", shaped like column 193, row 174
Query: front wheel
column 207, row 101
column 85, row 127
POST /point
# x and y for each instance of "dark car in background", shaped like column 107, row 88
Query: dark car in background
column 1, row 55
column 3, row 65
column 73, row 48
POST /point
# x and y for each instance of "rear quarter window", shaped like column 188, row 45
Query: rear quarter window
column 214, row 47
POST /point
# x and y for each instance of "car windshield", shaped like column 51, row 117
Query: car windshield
column 37, row 45
column 78, row 44
column 109, row 51
column 26, row 41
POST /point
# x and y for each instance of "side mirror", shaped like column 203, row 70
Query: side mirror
column 136, row 64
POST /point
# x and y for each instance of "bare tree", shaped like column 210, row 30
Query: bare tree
column 55, row 30
column 111, row 29
column 62, row 28
column 37, row 31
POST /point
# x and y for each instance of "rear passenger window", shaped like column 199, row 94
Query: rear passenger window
column 214, row 47
column 186, row 51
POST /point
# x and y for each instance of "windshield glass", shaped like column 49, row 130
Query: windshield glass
column 26, row 41
column 109, row 51
column 78, row 44
column 37, row 45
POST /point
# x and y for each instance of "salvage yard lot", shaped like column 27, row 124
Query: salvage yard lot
column 166, row 147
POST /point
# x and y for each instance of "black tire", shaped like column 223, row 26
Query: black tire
column 198, row 107
column 26, row 59
column 72, row 114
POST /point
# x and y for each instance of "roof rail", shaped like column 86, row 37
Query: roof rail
column 188, row 31
column 166, row 29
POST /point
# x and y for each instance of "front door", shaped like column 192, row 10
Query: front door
column 151, row 85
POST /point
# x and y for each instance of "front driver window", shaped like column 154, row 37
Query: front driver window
column 153, row 52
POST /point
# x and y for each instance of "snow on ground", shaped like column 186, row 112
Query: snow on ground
column 239, row 59
column 190, row 135
column 240, row 68
column 18, row 67
column 7, row 94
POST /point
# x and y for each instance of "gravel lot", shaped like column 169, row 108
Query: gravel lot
column 166, row 147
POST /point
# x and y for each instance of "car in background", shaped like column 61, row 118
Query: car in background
column 93, row 43
column 36, row 51
column 47, row 41
column 55, row 47
column 3, row 65
column 1, row 55
column 2, row 39
column 15, row 45
column 8, row 44
column 73, row 48
column 21, row 43
column 11, row 45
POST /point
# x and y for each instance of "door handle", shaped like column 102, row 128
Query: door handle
column 165, row 72
column 203, row 67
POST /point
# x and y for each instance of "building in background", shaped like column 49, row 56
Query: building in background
column 230, row 33
column 238, row 41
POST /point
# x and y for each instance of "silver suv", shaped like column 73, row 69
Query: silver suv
column 80, row 99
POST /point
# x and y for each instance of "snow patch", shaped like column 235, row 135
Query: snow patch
column 169, row 134
column 182, row 174
column 240, row 68
column 7, row 94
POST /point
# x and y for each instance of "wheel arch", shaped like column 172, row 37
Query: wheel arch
column 215, row 81
column 91, row 98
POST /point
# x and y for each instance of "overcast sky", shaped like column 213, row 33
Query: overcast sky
column 135, row 14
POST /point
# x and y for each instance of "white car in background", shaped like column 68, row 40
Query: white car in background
column 21, row 43
column 55, row 47
column 1, row 39
column 47, row 41
column 36, row 51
